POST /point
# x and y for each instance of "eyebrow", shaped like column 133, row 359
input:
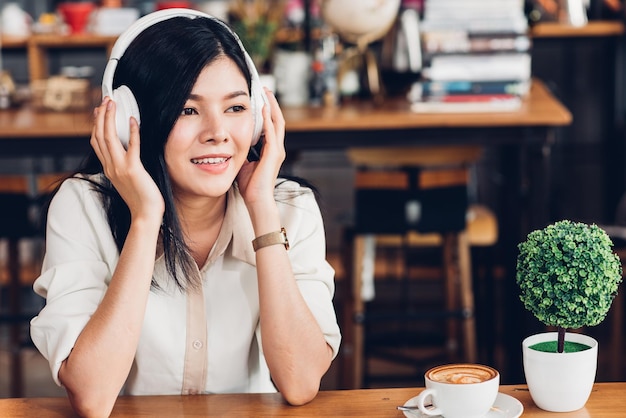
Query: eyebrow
column 232, row 95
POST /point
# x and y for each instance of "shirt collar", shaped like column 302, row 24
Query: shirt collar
column 236, row 228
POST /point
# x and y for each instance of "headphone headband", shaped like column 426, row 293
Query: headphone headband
column 258, row 97
column 129, row 35
column 125, row 39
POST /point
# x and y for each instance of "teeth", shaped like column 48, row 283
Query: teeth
column 208, row 160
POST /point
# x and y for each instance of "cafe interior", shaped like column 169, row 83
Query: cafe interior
column 426, row 191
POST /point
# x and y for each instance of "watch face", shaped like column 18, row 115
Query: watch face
column 283, row 232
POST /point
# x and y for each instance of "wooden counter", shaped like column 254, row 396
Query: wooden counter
column 24, row 131
column 591, row 29
column 540, row 108
column 606, row 401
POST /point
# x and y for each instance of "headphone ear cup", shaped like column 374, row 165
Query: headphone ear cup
column 126, row 106
column 257, row 100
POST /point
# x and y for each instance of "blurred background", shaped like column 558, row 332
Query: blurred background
column 329, row 54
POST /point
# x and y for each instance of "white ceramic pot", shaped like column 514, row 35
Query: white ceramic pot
column 560, row 382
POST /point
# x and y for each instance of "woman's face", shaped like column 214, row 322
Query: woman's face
column 211, row 138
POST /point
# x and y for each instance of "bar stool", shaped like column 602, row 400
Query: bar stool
column 409, row 199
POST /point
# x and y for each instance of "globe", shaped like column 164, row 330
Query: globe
column 360, row 22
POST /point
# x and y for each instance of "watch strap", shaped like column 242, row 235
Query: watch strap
column 272, row 238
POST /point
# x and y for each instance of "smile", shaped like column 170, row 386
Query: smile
column 211, row 160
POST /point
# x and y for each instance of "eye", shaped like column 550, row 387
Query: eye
column 188, row 111
column 236, row 109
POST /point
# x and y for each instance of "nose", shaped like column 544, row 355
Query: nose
column 214, row 129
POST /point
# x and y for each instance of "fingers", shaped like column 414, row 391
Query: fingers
column 112, row 141
column 104, row 138
column 273, row 119
column 276, row 112
column 97, row 134
column 93, row 141
column 133, row 141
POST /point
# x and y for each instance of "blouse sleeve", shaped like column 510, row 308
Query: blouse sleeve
column 80, row 251
column 307, row 250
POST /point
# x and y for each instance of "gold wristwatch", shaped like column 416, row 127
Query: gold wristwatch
column 272, row 238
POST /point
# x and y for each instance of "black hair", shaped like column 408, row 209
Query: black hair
column 161, row 66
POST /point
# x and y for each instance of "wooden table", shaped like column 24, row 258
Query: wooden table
column 606, row 401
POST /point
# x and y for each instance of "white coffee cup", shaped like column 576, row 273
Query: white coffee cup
column 459, row 390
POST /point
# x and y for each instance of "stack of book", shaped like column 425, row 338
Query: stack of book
column 476, row 56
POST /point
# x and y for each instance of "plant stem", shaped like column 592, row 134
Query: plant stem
column 560, row 340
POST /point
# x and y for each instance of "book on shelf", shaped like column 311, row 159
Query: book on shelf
column 479, row 25
column 479, row 67
column 476, row 4
column 475, row 16
column 460, row 41
column 443, row 9
column 475, row 56
column 436, row 88
column 468, row 103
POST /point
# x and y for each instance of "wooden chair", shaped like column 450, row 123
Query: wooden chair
column 20, row 196
column 409, row 199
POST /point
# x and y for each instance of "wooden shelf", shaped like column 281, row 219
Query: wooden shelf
column 73, row 41
column 37, row 45
column 13, row 42
column 591, row 29
column 37, row 48
column 58, row 41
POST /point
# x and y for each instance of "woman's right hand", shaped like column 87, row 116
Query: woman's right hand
column 124, row 167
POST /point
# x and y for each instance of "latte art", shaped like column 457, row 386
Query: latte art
column 461, row 374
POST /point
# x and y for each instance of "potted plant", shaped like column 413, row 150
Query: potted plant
column 256, row 22
column 568, row 276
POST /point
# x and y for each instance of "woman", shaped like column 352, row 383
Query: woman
column 151, row 281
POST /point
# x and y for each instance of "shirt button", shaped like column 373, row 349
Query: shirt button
column 197, row 344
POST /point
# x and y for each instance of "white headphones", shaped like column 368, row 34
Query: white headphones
column 126, row 104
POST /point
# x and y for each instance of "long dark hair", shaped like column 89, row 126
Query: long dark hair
column 160, row 67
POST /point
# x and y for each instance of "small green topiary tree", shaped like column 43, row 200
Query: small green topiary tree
column 568, row 275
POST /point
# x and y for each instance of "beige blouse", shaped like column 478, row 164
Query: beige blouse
column 207, row 341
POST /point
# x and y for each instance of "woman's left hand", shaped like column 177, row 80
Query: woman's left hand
column 257, row 179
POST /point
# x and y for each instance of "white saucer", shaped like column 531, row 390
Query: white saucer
column 505, row 406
